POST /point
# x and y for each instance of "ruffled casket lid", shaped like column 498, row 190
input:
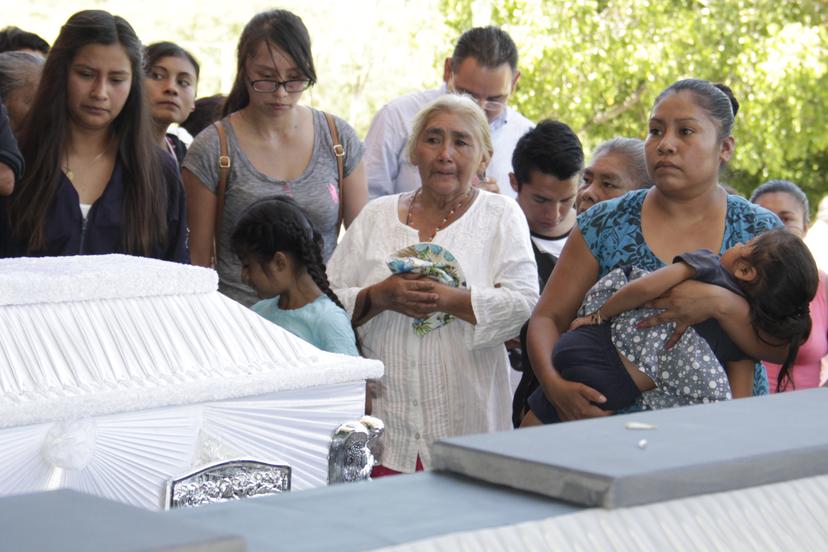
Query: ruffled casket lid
column 86, row 336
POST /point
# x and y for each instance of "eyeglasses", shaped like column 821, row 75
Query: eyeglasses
column 489, row 106
column 290, row 86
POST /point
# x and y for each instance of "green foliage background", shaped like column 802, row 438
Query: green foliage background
column 595, row 64
column 599, row 64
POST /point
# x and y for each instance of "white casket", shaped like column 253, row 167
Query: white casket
column 118, row 373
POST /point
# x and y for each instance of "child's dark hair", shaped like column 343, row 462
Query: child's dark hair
column 780, row 294
column 278, row 224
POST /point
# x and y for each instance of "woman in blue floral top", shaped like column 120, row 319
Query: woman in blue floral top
column 689, row 140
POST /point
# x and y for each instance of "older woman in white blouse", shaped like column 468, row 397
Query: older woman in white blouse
column 453, row 380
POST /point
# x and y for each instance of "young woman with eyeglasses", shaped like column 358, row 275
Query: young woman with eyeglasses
column 275, row 145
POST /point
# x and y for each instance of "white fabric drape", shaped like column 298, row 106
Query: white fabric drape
column 67, row 360
column 129, row 457
column 117, row 373
column 30, row 281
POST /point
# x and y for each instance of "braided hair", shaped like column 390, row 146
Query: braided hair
column 780, row 294
column 277, row 224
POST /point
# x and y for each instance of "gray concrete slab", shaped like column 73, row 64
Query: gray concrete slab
column 374, row 514
column 69, row 521
column 691, row 451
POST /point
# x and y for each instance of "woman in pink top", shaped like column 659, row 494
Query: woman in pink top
column 790, row 204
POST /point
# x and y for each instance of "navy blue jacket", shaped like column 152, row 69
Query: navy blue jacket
column 9, row 154
column 104, row 225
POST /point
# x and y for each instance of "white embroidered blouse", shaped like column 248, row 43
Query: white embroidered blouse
column 454, row 380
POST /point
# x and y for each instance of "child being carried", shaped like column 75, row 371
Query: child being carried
column 605, row 349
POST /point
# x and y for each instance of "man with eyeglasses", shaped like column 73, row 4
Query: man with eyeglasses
column 482, row 66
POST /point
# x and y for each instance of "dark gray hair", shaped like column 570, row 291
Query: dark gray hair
column 490, row 46
column 633, row 150
column 786, row 187
column 16, row 69
column 13, row 39
column 716, row 99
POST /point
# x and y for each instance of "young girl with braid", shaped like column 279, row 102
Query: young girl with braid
column 281, row 258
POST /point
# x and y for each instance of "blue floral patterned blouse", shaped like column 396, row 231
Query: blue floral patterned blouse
column 612, row 231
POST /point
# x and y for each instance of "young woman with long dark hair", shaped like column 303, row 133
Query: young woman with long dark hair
column 96, row 180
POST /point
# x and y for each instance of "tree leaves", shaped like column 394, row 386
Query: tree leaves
column 598, row 66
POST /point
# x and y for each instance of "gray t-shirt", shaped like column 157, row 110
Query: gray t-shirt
column 315, row 190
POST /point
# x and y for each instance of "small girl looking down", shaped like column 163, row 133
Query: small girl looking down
column 605, row 349
column 281, row 258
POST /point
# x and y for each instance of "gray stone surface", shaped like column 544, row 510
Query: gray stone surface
column 69, row 521
column 691, row 451
column 374, row 514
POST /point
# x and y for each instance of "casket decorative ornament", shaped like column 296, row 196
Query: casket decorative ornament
column 353, row 444
column 70, row 445
column 376, row 436
column 225, row 481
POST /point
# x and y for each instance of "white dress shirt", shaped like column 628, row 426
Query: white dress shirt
column 390, row 171
column 454, row 380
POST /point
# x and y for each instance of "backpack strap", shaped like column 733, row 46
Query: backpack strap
column 339, row 152
column 224, row 173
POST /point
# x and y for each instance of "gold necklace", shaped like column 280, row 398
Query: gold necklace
column 71, row 175
column 442, row 224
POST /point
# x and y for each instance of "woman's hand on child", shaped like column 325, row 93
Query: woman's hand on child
column 688, row 303
column 588, row 320
column 575, row 401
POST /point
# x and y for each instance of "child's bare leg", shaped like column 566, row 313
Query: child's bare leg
column 641, row 380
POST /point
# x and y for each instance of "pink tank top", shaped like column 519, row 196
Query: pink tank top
column 808, row 361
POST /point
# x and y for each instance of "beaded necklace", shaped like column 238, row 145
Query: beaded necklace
column 442, row 224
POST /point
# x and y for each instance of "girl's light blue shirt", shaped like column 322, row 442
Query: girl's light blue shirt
column 321, row 323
